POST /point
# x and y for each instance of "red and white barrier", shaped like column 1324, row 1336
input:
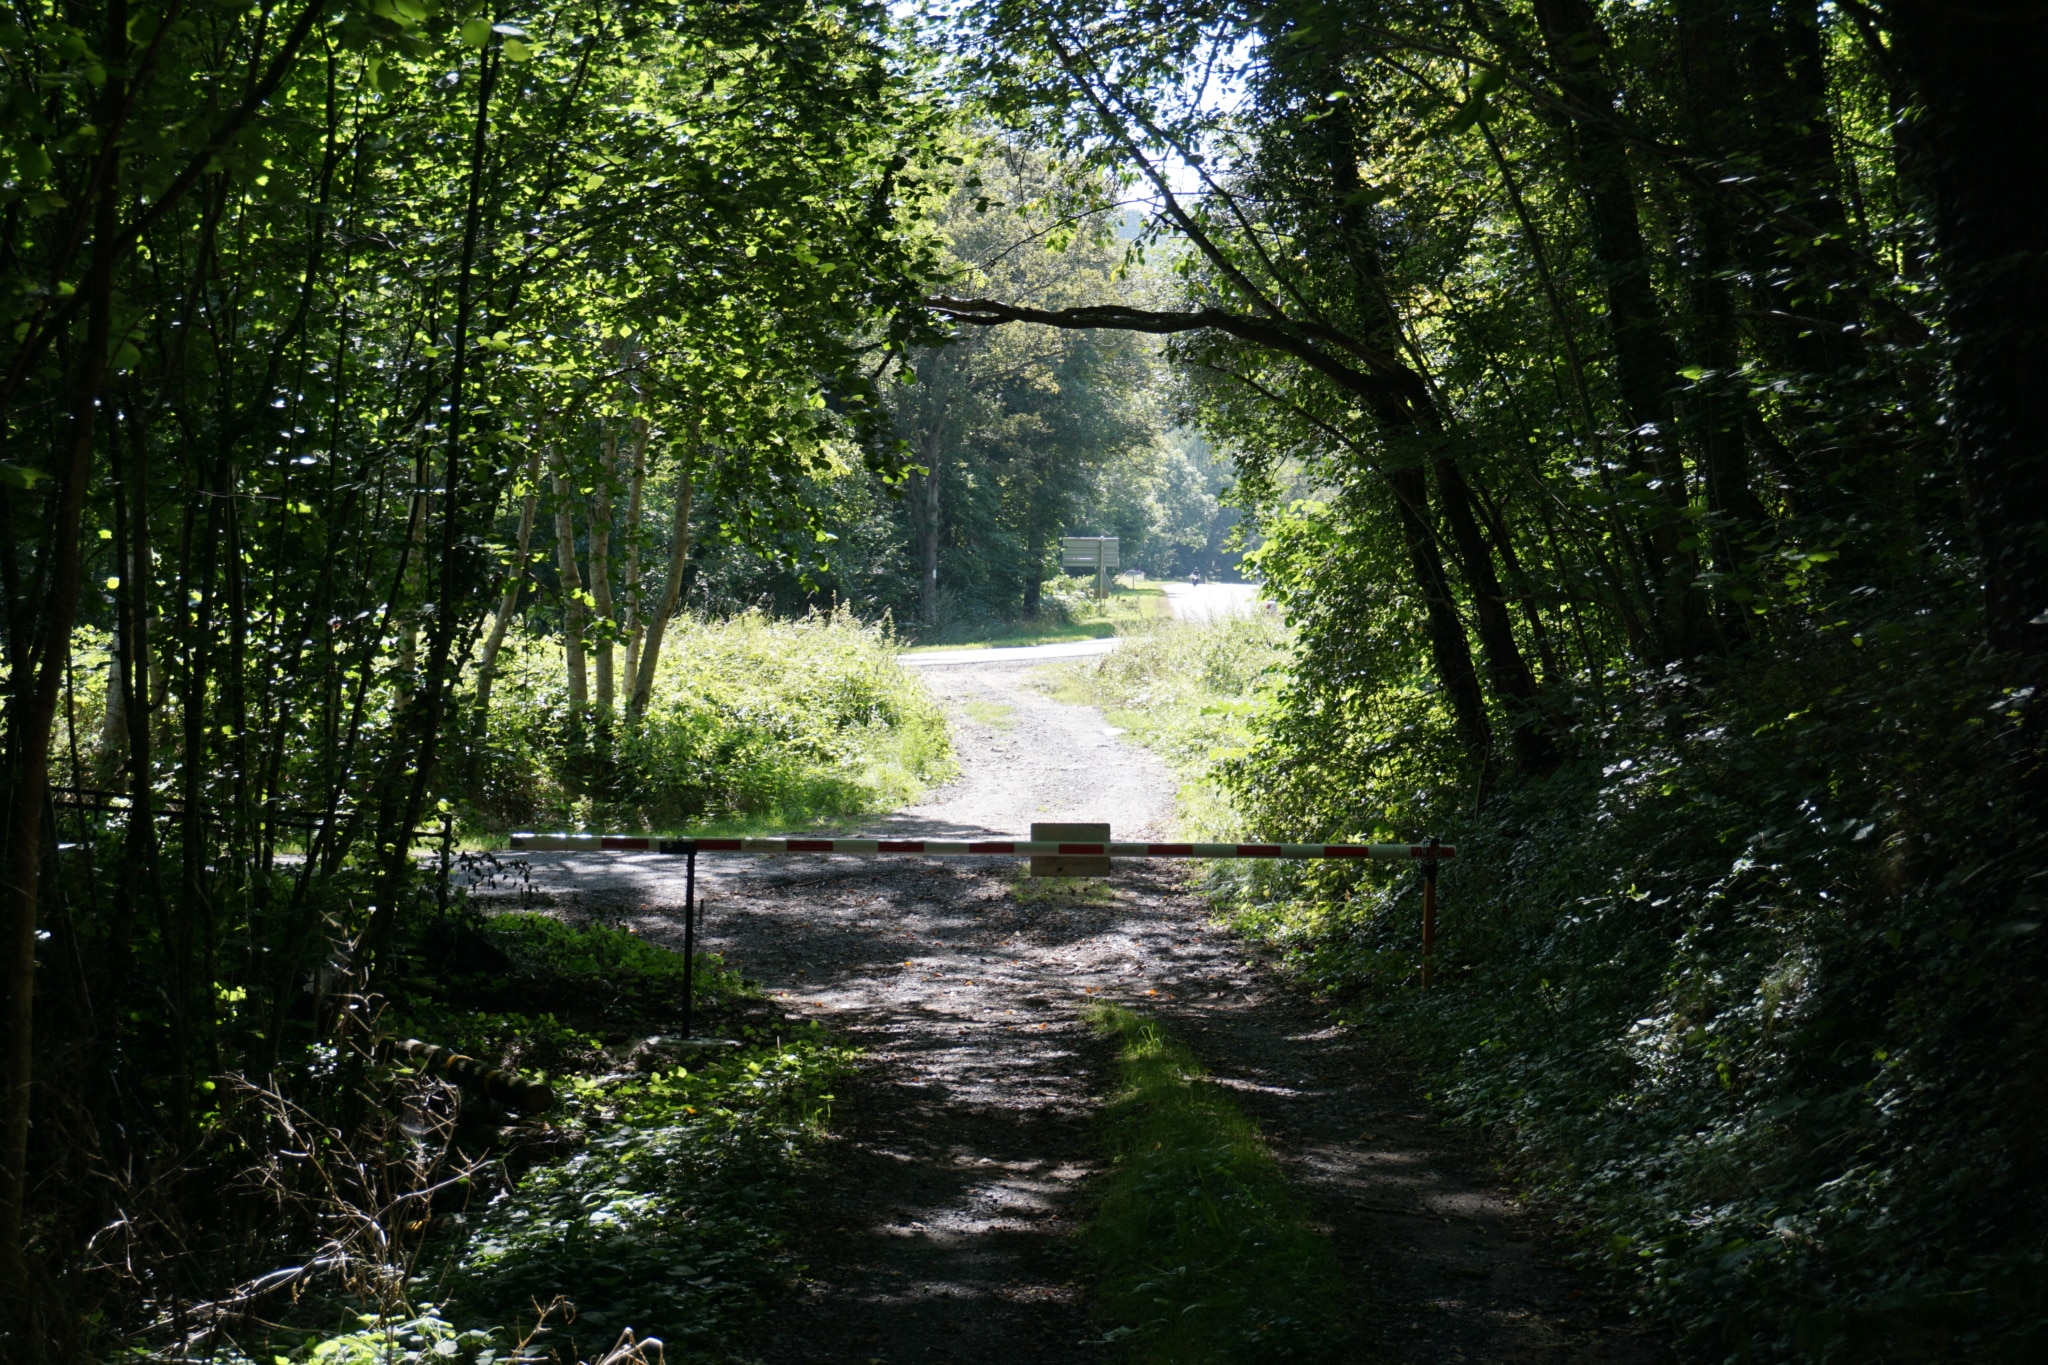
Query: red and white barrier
column 951, row 848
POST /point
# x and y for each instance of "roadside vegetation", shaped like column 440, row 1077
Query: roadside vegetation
column 1201, row 1251
column 648, row 1207
column 1190, row 691
column 1633, row 408
column 752, row 722
column 1663, row 1008
column 1068, row 611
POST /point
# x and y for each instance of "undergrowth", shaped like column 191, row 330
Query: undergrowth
column 649, row 1206
column 751, row 717
column 1751, row 987
column 1201, row 1251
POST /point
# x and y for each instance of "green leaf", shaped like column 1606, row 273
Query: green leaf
column 1469, row 115
column 20, row 476
column 516, row 50
column 476, row 33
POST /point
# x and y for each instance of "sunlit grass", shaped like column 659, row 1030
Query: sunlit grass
column 1200, row 1249
column 1188, row 692
column 1130, row 603
column 756, row 725
column 994, row 714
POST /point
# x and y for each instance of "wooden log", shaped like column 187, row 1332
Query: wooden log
column 508, row 1087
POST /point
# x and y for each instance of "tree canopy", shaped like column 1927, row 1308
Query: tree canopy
column 1638, row 405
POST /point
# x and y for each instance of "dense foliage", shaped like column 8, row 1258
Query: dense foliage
column 657, row 1206
column 301, row 307
column 1631, row 397
column 1639, row 402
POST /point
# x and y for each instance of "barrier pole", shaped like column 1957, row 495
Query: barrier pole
column 1429, row 863
column 1431, row 855
column 954, row 848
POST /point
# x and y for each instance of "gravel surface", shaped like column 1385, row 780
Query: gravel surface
column 938, row 1228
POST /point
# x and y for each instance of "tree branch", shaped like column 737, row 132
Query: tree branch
column 1388, row 377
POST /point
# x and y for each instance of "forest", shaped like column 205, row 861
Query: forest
column 425, row 420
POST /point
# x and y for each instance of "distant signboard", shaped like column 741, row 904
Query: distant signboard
column 1088, row 552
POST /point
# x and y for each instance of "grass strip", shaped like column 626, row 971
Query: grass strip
column 1200, row 1249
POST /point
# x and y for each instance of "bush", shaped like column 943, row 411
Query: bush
column 650, row 1200
column 752, row 720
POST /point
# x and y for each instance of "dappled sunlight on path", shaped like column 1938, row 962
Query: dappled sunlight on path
column 938, row 1231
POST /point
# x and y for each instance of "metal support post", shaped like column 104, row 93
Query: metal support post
column 689, row 932
column 1429, row 865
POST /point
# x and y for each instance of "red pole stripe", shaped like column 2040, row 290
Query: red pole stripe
column 620, row 843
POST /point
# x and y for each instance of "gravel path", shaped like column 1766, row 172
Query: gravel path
column 938, row 1230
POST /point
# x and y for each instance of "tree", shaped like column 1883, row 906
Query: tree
column 291, row 296
column 1015, row 433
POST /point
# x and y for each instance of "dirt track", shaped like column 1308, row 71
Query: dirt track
column 938, row 1232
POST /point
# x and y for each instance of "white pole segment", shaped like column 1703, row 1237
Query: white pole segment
column 952, row 848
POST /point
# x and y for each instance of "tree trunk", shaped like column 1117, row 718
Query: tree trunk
column 928, row 553
column 1984, row 137
column 671, row 599
column 1834, row 477
column 928, row 544
column 508, row 601
column 1645, row 363
column 113, row 745
column 31, row 717
column 572, row 586
column 601, row 570
column 406, row 674
column 1447, row 646
column 635, row 622
column 1340, row 154
column 1034, row 568
column 1529, row 741
column 1714, row 407
column 414, row 750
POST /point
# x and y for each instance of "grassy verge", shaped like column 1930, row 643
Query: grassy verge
column 1201, row 1250
column 1077, row 617
column 1190, row 693
column 754, row 723
column 1745, row 998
